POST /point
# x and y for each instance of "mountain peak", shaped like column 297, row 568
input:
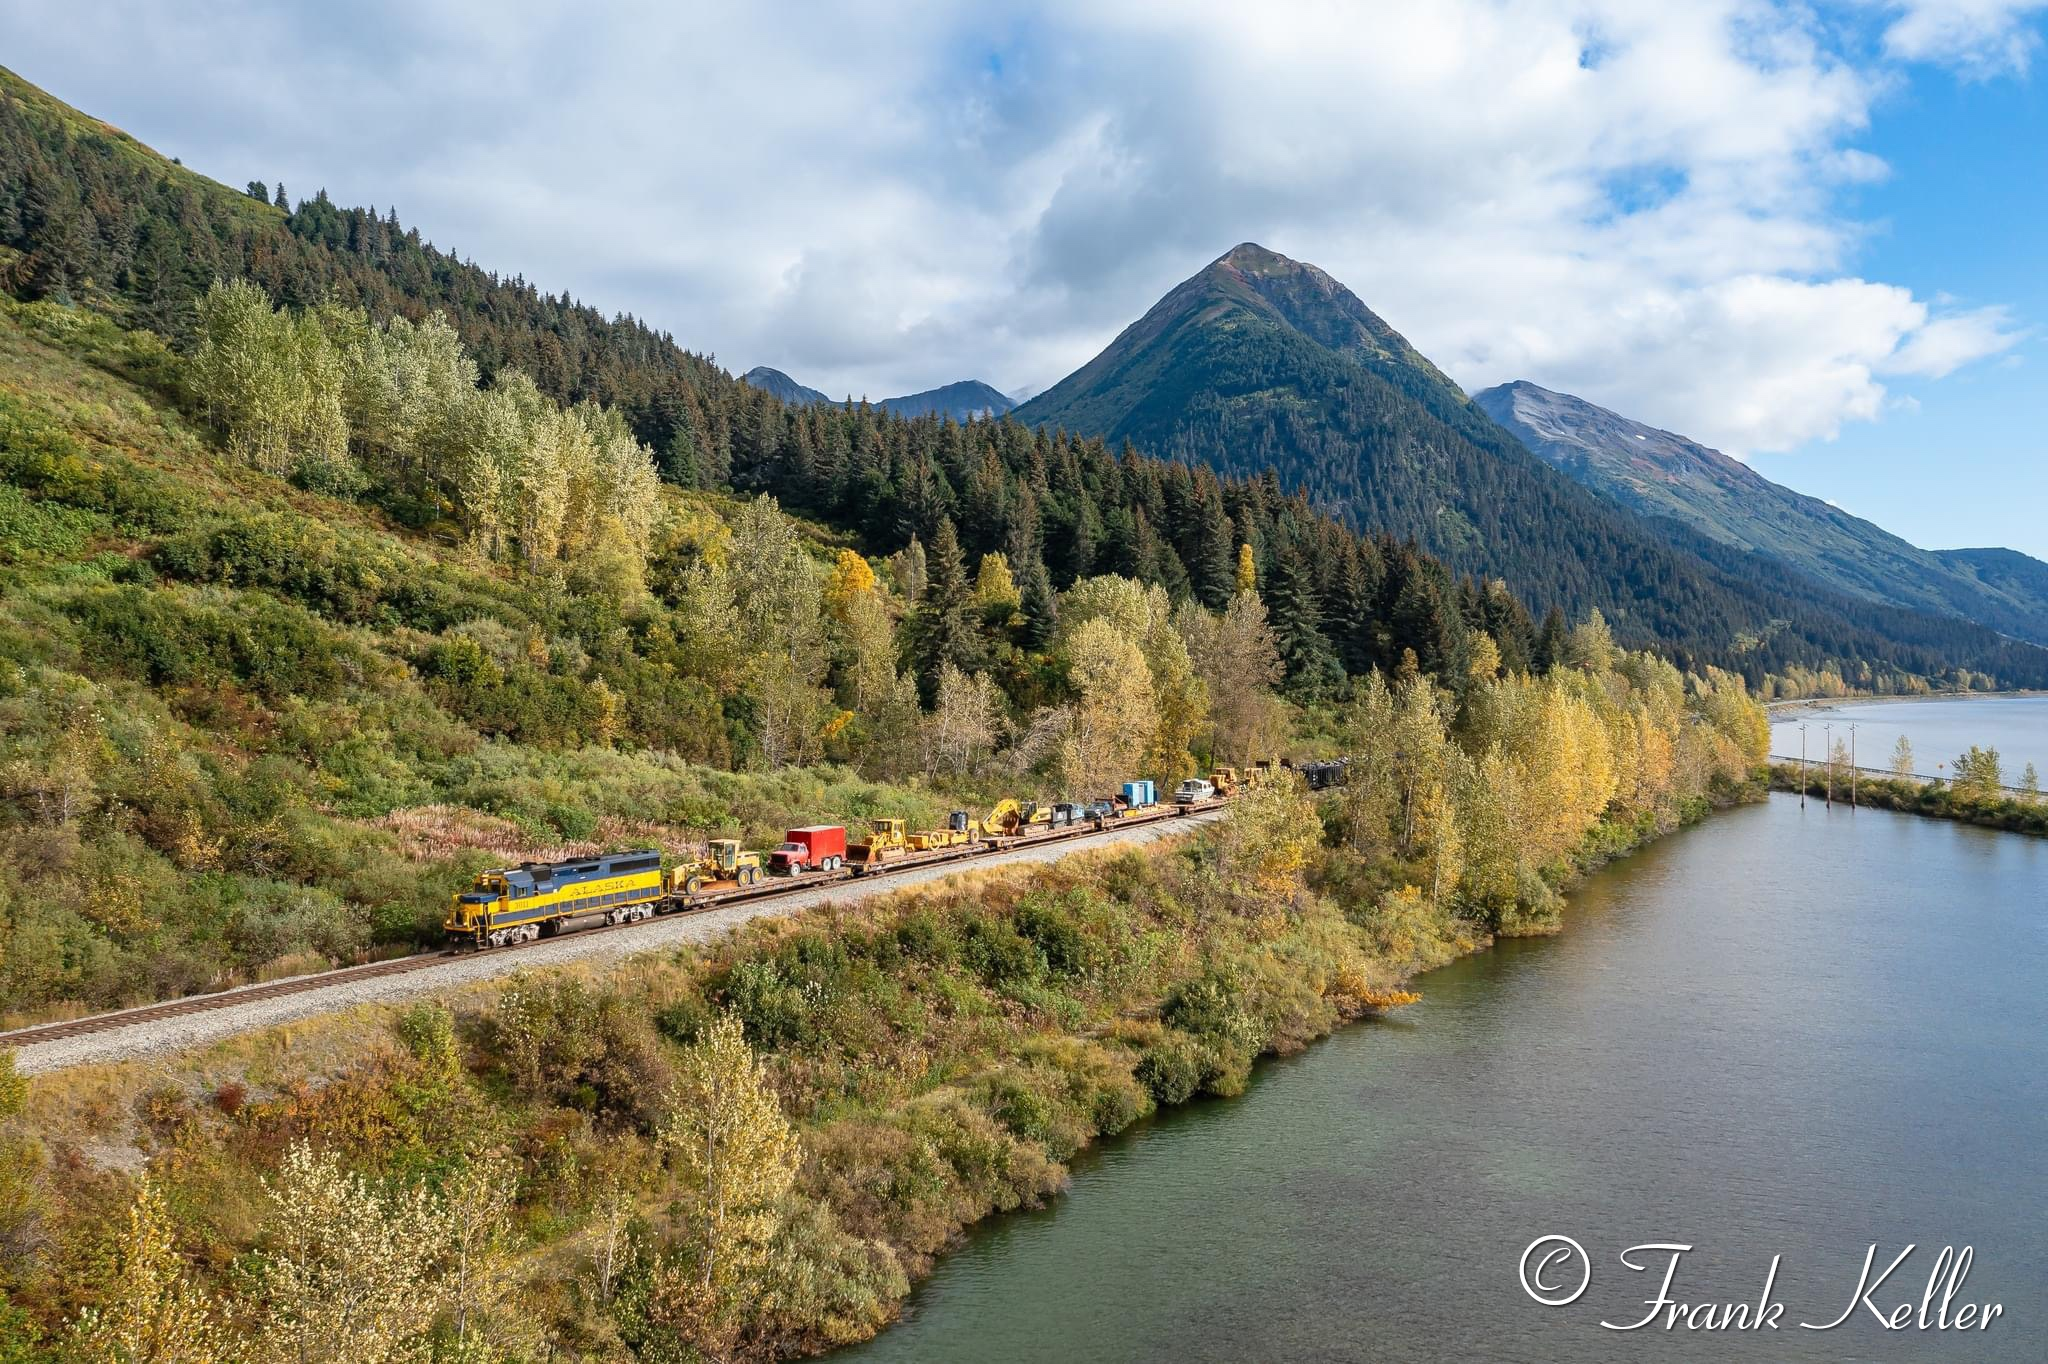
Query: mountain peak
column 1251, row 256
column 962, row 400
column 1569, row 431
column 1249, row 289
column 774, row 381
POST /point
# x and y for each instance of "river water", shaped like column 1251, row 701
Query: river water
column 1787, row 1032
column 1938, row 730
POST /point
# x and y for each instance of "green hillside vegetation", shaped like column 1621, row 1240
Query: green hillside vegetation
column 2004, row 571
column 1264, row 363
column 1663, row 475
column 245, row 727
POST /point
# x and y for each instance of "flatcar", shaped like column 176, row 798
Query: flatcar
column 509, row 905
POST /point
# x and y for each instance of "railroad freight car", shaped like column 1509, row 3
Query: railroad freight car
column 518, row 904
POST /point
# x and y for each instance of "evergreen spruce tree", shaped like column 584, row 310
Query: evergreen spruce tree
column 281, row 201
column 1422, row 622
column 942, row 628
column 1213, row 568
column 1550, row 642
column 1312, row 668
column 1041, row 612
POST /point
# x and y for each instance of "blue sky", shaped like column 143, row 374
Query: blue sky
column 1962, row 460
column 1806, row 233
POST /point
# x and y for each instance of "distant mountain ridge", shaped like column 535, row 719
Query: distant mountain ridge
column 1670, row 477
column 966, row 399
column 960, row 401
column 782, row 386
column 1259, row 366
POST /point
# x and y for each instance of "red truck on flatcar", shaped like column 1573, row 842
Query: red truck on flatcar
column 816, row 847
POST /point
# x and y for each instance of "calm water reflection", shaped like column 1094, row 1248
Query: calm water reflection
column 1785, row 1032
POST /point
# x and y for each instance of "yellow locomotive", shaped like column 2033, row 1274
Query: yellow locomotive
column 509, row 905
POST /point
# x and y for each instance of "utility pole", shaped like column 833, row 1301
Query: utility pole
column 1852, row 767
column 1802, row 764
column 1827, row 737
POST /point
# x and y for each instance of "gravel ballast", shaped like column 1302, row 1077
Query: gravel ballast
column 162, row 1036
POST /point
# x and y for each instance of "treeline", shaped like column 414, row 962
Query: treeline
column 1490, row 800
column 341, row 403
column 93, row 216
column 949, row 656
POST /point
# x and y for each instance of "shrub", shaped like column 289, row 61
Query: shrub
column 927, row 936
column 33, row 530
column 566, row 1043
column 1212, row 1007
column 151, row 635
column 1057, row 935
column 1172, row 1068
column 683, row 1021
column 428, row 1032
column 997, row 953
column 773, row 1010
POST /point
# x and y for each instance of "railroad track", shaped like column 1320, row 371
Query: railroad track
column 240, row 995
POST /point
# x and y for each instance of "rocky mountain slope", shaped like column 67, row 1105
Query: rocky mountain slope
column 1663, row 475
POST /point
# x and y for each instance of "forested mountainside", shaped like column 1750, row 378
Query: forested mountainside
column 1662, row 475
column 2006, row 571
column 87, row 214
column 1260, row 362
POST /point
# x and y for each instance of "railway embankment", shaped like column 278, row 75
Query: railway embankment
column 178, row 1025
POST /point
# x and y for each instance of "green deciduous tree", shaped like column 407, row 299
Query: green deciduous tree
column 737, row 1158
column 151, row 1312
column 1114, row 717
column 346, row 1274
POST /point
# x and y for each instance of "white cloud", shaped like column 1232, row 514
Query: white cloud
column 1635, row 202
column 1945, row 344
column 1981, row 37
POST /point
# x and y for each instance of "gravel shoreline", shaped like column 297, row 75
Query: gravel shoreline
column 1807, row 703
column 167, row 1035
